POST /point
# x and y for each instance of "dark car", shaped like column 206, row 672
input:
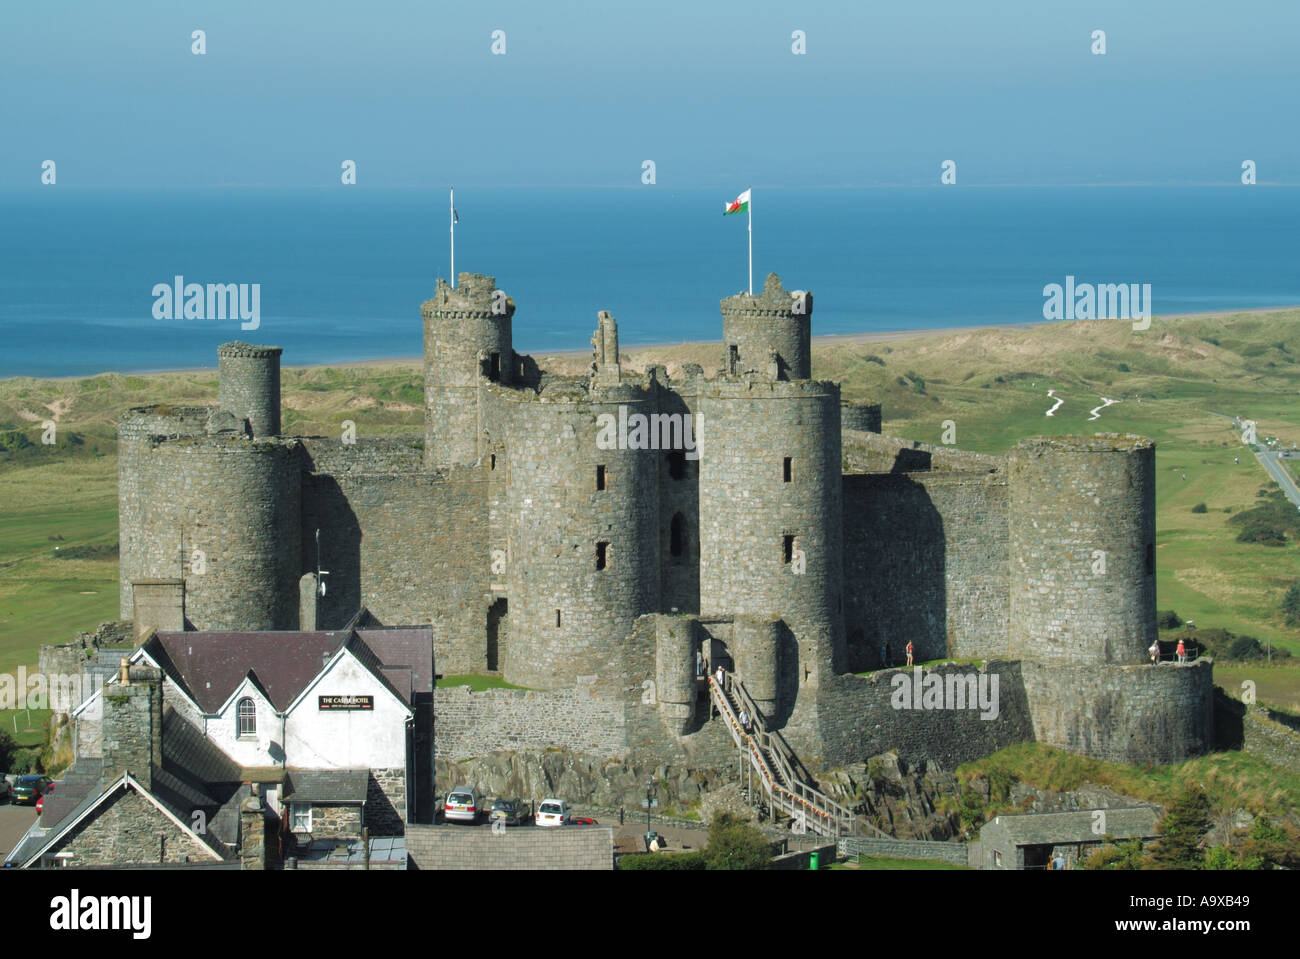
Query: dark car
column 510, row 811
column 28, row 789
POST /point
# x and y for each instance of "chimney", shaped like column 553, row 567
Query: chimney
column 158, row 604
column 132, row 730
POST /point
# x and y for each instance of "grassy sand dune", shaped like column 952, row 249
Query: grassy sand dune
column 1178, row 382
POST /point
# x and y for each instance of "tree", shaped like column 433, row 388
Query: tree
column 7, row 749
column 1291, row 604
column 1182, row 832
column 734, row 844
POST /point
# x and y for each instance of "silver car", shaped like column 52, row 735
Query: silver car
column 461, row 805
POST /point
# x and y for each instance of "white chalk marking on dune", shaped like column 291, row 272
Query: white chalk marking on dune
column 1096, row 411
column 1059, row 401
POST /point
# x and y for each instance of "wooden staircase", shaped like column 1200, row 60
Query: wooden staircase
column 786, row 785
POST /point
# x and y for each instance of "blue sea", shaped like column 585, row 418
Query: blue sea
column 342, row 272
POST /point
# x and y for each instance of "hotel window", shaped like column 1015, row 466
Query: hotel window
column 301, row 816
column 246, row 718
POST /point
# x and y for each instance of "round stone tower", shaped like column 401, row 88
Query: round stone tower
column 771, row 503
column 582, row 532
column 466, row 337
column 774, row 322
column 224, row 513
column 1082, row 546
column 249, row 378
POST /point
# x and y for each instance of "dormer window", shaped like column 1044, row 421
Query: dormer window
column 246, row 719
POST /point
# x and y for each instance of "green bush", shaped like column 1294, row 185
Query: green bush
column 1262, row 534
column 1291, row 604
column 1168, row 619
column 1200, row 508
column 1123, row 368
column 736, row 845
column 664, row 862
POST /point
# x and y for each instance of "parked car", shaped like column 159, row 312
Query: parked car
column 28, row 789
column 461, row 805
column 511, row 811
column 40, row 804
column 6, row 790
column 553, row 812
column 581, row 821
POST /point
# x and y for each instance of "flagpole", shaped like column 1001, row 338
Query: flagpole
column 451, row 215
column 750, row 207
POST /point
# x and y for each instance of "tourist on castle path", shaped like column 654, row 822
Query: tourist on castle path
column 721, row 677
column 1154, row 651
column 1182, row 652
column 744, row 720
column 909, row 652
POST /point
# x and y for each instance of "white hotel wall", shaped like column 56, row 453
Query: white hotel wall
column 352, row 738
column 264, row 749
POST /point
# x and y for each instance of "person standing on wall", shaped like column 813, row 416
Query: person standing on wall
column 909, row 652
column 1182, row 650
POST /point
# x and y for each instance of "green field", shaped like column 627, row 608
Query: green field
column 1179, row 382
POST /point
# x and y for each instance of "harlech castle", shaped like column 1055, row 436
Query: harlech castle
column 748, row 518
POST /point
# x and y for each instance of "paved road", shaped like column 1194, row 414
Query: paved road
column 1278, row 468
column 14, row 822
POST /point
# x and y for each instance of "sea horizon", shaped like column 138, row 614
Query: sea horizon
column 341, row 272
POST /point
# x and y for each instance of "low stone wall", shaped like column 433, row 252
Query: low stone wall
column 856, row 718
column 472, row 847
column 802, row 858
column 956, row 853
column 469, row 724
column 1265, row 733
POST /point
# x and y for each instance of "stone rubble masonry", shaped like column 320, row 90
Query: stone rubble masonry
column 469, row 724
column 249, row 385
column 1123, row 714
column 130, row 830
column 252, row 834
column 863, row 417
column 758, row 325
column 132, row 726
column 464, row 328
column 386, row 802
column 850, row 847
column 1075, row 504
column 467, row 847
column 159, row 605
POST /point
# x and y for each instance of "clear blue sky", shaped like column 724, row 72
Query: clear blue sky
column 710, row 91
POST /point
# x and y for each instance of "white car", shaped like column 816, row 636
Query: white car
column 461, row 805
column 553, row 812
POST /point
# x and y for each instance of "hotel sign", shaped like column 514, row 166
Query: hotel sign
column 346, row 702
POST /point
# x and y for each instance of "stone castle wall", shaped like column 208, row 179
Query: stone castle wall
column 469, row 724
column 857, row 718
column 925, row 560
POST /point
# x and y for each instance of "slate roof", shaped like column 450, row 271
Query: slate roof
column 1028, row 829
column 404, row 646
column 210, row 666
column 187, row 751
column 326, row 785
